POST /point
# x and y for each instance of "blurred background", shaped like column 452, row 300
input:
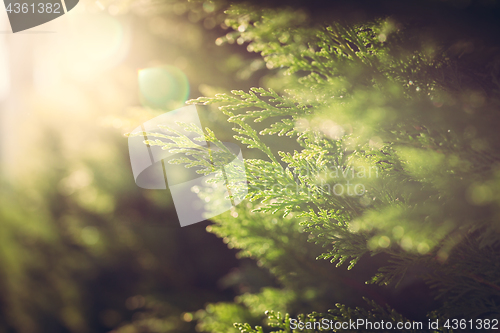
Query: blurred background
column 82, row 248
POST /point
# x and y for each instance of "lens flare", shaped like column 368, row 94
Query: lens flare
column 163, row 87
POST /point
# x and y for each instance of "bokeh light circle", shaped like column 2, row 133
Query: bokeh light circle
column 164, row 87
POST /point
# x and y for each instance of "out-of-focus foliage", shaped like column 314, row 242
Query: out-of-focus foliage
column 83, row 248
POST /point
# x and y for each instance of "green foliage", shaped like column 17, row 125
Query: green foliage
column 398, row 155
column 342, row 314
column 220, row 317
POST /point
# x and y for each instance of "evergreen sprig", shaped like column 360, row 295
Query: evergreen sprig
column 359, row 99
